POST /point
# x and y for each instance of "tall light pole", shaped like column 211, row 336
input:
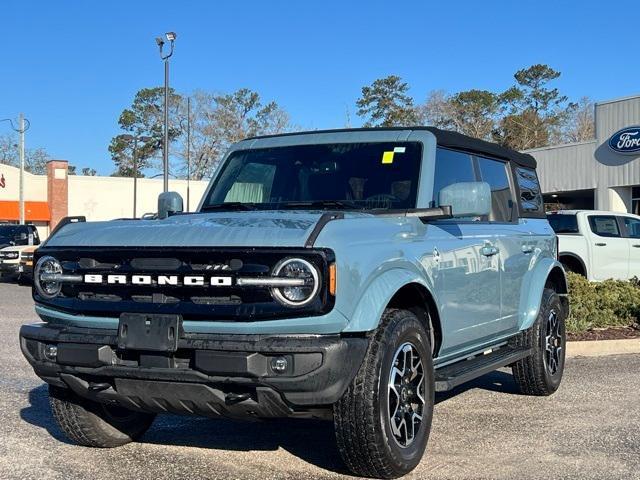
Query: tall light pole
column 21, row 129
column 171, row 37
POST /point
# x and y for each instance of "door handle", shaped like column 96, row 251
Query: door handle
column 489, row 250
column 527, row 248
column 637, row 245
column 600, row 244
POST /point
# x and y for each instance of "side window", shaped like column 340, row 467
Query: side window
column 604, row 225
column 253, row 184
column 633, row 227
column 494, row 173
column 451, row 167
column 530, row 196
column 34, row 232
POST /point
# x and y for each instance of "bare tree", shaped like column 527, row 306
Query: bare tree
column 35, row 159
column 217, row 121
column 581, row 125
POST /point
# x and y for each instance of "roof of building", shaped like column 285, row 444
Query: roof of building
column 445, row 138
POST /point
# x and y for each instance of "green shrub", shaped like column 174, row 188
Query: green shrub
column 610, row 303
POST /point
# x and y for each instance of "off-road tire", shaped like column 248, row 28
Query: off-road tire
column 361, row 417
column 92, row 424
column 532, row 374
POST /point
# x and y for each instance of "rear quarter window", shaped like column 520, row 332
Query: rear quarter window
column 563, row 223
column 529, row 188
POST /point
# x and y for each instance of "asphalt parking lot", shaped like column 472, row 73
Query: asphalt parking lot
column 587, row 430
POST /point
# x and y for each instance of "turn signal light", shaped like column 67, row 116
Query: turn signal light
column 332, row 279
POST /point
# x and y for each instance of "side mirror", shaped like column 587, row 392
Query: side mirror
column 169, row 203
column 467, row 199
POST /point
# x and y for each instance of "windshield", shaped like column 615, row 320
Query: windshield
column 8, row 233
column 562, row 223
column 334, row 176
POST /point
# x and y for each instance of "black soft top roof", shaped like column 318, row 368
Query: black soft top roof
column 445, row 138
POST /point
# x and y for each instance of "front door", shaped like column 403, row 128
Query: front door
column 632, row 233
column 609, row 249
column 467, row 283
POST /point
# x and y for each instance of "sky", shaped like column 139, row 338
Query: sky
column 73, row 66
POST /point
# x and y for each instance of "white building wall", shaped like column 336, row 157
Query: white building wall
column 35, row 186
column 106, row 198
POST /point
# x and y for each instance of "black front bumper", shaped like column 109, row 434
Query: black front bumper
column 9, row 269
column 209, row 374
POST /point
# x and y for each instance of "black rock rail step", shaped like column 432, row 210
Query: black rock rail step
column 457, row 373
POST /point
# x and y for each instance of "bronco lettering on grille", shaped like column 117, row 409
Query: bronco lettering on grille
column 172, row 280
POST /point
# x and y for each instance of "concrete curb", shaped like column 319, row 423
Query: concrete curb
column 597, row 348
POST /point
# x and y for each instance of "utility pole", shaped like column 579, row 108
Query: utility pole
column 135, row 175
column 21, row 130
column 23, row 126
column 134, row 139
column 188, row 148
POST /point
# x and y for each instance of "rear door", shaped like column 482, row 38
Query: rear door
column 632, row 233
column 609, row 249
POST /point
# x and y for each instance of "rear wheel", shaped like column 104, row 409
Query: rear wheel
column 93, row 424
column 383, row 420
column 541, row 372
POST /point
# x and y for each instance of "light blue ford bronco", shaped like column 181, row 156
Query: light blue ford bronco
column 346, row 275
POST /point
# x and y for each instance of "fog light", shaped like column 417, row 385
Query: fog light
column 51, row 352
column 279, row 364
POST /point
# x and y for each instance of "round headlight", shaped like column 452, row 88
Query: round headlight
column 299, row 269
column 45, row 267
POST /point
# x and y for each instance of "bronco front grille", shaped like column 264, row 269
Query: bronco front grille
column 152, row 280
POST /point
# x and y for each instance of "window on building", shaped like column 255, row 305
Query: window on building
column 494, row 173
column 635, row 200
column 530, row 195
column 604, row 225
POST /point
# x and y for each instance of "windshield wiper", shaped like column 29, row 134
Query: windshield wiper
column 229, row 206
column 335, row 204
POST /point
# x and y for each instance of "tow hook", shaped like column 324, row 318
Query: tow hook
column 99, row 387
column 233, row 398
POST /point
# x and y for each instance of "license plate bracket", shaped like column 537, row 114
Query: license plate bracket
column 151, row 332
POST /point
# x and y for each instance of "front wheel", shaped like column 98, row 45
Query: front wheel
column 95, row 425
column 383, row 420
column 541, row 372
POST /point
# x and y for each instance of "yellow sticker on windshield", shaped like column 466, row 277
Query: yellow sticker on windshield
column 387, row 157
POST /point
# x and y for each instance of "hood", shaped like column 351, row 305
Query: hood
column 15, row 248
column 218, row 229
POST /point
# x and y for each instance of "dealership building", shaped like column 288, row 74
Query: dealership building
column 603, row 173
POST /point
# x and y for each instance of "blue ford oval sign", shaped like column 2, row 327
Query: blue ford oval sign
column 626, row 141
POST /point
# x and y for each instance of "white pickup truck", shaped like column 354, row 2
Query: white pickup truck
column 598, row 244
